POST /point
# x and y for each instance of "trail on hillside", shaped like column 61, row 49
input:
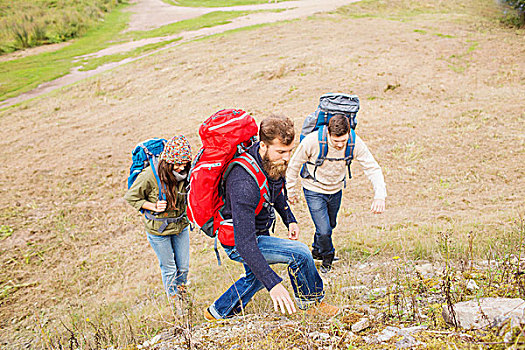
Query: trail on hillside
column 151, row 14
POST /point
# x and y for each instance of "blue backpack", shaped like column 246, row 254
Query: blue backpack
column 329, row 105
column 145, row 154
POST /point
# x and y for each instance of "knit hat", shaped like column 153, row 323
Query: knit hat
column 177, row 151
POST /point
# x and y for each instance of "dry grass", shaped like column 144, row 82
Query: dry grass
column 450, row 141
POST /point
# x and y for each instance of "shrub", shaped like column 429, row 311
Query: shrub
column 519, row 6
column 27, row 23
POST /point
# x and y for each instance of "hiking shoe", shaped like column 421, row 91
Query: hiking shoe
column 317, row 256
column 323, row 309
column 325, row 269
column 208, row 316
column 326, row 266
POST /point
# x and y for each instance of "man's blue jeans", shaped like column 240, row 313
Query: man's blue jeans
column 173, row 252
column 306, row 282
column 323, row 209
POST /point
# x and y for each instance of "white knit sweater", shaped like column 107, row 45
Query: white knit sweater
column 331, row 174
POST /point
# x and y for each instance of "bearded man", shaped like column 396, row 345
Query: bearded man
column 254, row 247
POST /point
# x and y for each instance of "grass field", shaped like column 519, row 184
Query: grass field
column 23, row 74
column 29, row 23
column 442, row 110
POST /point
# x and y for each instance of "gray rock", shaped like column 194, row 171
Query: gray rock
column 354, row 289
column 150, row 342
column 411, row 330
column 408, row 342
column 472, row 285
column 319, row 335
column 362, row 324
column 426, row 270
column 386, row 334
column 389, row 332
column 469, row 315
column 376, row 293
column 369, row 339
column 351, row 336
column 383, row 336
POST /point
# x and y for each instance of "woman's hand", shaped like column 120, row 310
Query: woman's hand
column 160, row 206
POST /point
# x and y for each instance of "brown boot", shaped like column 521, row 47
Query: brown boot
column 323, row 309
column 208, row 316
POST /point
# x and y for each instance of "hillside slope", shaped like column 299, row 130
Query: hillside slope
column 442, row 110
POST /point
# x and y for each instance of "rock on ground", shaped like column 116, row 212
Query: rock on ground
column 486, row 312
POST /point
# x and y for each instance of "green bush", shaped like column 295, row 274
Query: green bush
column 519, row 6
column 28, row 23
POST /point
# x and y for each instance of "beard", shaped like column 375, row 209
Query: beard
column 274, row 169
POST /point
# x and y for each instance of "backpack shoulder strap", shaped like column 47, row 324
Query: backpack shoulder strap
column 323, row 148
column 250, row 165
column 323, row 145
column 154, row 162
column 349, row 152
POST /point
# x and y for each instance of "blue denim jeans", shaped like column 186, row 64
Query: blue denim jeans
column 306, row 282
column 323, row 209
column 173, row 252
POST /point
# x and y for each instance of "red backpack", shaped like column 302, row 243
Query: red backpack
column 225, row 136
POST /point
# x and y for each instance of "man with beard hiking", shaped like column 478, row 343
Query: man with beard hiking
column 323, row 184
column 254, row 247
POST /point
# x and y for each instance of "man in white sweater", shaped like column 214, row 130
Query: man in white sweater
column 323, row 185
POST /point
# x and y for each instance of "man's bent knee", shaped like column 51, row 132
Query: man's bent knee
column 301, row 251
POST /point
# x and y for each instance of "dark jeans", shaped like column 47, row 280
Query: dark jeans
column 323, row 209
column 306, row 283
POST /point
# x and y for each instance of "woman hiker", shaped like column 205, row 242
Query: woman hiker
column 165, row 221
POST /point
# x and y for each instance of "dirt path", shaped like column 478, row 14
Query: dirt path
column 150, row 14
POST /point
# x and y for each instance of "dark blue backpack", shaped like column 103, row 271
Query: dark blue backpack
column 329, row 105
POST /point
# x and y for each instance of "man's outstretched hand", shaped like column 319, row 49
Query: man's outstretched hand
column 281, row 299
column 378, row 206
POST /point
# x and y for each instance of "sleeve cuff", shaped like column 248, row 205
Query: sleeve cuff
column 380, row 194
column 272, row 280
column 138, row 204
